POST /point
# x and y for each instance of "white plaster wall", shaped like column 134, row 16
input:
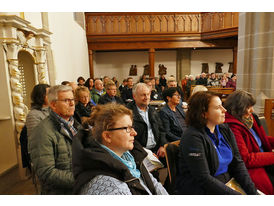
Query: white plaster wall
column 69, row 47
column 34, row 18
column 211, row 57
column 168, row 59
column 118, row 63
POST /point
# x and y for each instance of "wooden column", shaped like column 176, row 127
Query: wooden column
column 151, row 61
column 91, row 70
column 235, row 51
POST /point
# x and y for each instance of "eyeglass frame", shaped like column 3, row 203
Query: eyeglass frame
column 67, row 100
column 128, row 129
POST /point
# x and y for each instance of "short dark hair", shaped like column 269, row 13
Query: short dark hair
column 238, row 102
column 65, row 82
column 129, row 78
column 38, row 95
column 80, row 78
column 169, row 93
column 197, row 107
column 87, row 83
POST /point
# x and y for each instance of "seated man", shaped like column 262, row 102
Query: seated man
column 155, row 95
column 146, row 122
column 110, row 96
column 97, row 91
column 126, row 93
column 51, row 141
column 171, row 82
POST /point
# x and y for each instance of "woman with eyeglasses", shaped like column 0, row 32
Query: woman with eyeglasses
column 173, row 115
column 110, row 162
column 83, row 105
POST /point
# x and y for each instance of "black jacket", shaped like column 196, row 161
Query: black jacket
column 126, row 94
column 83, row 111
column 141, row 128
column 89, row 159
column 198, row 162
column 106, row 99
column 173, row 127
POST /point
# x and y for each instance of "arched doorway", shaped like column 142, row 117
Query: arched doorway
column 27, row 75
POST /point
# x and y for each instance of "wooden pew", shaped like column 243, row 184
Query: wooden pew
column 269, row 115
column 223, row 92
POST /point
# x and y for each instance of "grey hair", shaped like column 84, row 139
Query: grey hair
column 171, row 79
column 199, row 88
column 138, row 86
column 53, row 91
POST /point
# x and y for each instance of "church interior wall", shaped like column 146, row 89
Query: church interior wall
column 199, row 56
column 8, row 158
column 69, row 47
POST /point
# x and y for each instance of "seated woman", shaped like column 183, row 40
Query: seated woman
column 39, row 107
column 208, row 154
column 173, row 115
column 254, row 145
column 83, row 105
column 89, row 84
column 110, row 162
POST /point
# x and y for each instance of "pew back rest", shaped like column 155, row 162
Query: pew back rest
column 269, row 115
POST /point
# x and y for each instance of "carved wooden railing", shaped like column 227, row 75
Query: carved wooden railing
column 214, row 21
column 142, row 23
column 157, row 23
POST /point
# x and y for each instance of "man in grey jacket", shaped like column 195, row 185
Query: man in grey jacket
column 50, row 143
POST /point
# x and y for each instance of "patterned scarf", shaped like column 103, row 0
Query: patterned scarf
column 67, row 125
column 127, row 159
column 248, row 122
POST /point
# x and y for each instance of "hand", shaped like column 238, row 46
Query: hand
column 161, row 152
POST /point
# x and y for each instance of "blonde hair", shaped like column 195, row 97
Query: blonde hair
column 109, row 84
column 78, row 90
column 105, row 116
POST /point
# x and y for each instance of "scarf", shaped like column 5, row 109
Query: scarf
column 127, row 159
column 248, row 122
column 67, row 125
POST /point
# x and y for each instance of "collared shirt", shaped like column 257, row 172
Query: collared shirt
column 180, row 119
column 258, row 140
column 99, row 92
column 223, row 150
column 150, row 136
column 67, row 125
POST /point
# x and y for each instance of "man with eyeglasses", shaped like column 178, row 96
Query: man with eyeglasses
column 51, row 141
column 110, row 96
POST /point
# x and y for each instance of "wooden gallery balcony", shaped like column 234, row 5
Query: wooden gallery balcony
column 149, row 31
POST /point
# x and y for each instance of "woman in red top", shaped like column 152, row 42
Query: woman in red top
column 254, row 145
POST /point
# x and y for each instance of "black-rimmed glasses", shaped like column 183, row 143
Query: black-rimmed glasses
column 67, row 101
column 128, row 129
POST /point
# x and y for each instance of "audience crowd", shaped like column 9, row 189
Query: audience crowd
column 93, row 136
